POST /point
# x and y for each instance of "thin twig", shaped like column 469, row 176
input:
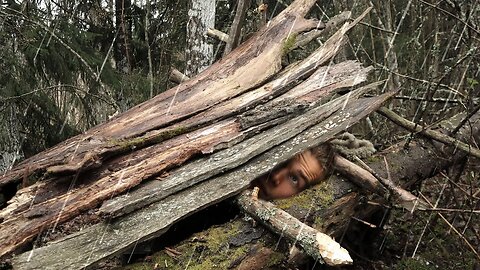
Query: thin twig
column 452, row 15
column 454, row 229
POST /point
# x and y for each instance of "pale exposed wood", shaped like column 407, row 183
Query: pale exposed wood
column 177, row 76
column 316, row 244
column 85, row 247
column 217, row 34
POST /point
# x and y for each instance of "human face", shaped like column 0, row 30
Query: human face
column 292, row 178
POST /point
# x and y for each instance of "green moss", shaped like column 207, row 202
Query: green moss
column 141, row 141
column 413, row 264
column 211, row 251
column 321, row 194
column 289, row 43
column 275, row 259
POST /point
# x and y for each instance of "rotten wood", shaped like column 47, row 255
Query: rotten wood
column 22, row 227
column 231, row 76
column 195, row 172
column 85, row 248
column 167, row 154
column 23, row 224
column 316, row 244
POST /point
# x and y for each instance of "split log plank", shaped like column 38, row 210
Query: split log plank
column 229, row 77
column 197, row 171
column 102, row 240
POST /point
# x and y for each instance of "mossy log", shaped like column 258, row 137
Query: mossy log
column 234, row 109
column 336, row 207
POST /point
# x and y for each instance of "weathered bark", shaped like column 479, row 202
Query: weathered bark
column 199, row 53
column 155, row 219
column 215, row 111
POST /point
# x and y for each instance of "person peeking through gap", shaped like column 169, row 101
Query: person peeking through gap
column 303, row 170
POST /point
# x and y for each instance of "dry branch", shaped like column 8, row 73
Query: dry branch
column 304, row 38
column 177, row 76
column 316, row 244
column 358, row 175
column 217, row 34
column 432, row 134
column 83, row 248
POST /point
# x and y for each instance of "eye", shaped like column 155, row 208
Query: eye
column 293, row 179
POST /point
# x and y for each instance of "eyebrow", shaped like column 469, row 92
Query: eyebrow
column 303, row 176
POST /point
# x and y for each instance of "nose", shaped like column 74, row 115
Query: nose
column 278, row 176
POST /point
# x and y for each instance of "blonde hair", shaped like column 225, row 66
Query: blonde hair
column 324, row 154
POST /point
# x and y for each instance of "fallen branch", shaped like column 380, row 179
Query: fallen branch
column 217, row 34
column 405, row 198
column 357, row 175
column 432, row 134
column 316, row 244
column 177, row 76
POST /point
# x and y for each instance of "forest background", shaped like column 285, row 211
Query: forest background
column 67, row 66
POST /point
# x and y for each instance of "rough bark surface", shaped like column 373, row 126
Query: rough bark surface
column 233, row 121
column 123, row 233
column 199, row 52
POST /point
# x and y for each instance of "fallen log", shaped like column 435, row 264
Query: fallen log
column 124, row 232
column 105, row 162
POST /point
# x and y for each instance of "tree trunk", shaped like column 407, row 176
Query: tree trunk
column 199, row 52
column 123, row 23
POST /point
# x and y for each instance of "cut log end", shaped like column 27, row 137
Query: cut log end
column 331, row 251
column 316, row 244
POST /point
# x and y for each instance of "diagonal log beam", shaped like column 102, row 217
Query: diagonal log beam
column 227, row 78
column 84, row 248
